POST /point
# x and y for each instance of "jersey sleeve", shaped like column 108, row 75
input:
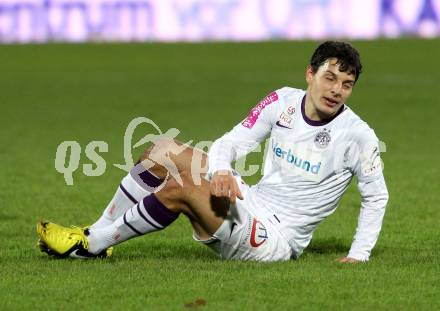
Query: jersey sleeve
column 245, row 136
column 374, row 195
column 367, row 164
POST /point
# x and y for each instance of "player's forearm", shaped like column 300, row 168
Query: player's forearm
column 231, row 146
column 374, row 201
column 243, row 138
column 221, row 154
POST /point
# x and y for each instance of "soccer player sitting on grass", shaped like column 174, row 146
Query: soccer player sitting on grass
column 316, row 145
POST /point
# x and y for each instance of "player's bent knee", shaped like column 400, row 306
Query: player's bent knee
column 160, row 147
column 164, row 146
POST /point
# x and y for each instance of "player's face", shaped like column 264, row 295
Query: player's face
column 328, row 88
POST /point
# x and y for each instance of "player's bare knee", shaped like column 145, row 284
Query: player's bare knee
column 159, row 148
column 146, row 154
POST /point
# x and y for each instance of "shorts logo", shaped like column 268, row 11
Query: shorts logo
column 255, row 112
column 322, row 139
column 258, row 233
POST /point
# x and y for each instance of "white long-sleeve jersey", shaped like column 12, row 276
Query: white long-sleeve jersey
column 307, row 167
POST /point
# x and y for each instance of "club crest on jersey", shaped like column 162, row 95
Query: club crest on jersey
column 322, row 139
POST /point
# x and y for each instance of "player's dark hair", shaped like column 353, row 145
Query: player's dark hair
column 347, row 56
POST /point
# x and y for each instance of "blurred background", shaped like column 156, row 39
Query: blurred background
column 224, row 20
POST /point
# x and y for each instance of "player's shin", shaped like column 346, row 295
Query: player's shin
column 146, row 216
column 138, row 184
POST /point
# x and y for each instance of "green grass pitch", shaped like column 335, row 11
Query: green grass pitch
column 53, row 93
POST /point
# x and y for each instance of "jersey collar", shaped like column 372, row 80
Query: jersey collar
column 313, row 122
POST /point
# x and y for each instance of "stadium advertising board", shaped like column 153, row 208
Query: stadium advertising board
column 200, row 20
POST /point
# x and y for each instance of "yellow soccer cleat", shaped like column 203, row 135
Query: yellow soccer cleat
column 60, row 241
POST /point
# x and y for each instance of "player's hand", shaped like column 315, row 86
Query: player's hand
column 224, row 184
column 348, row 260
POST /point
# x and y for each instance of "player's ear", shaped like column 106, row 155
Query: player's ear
column 309, row 74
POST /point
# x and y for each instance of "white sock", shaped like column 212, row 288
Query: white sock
column 147, row 216
column 138, row 184
column 127, row 194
